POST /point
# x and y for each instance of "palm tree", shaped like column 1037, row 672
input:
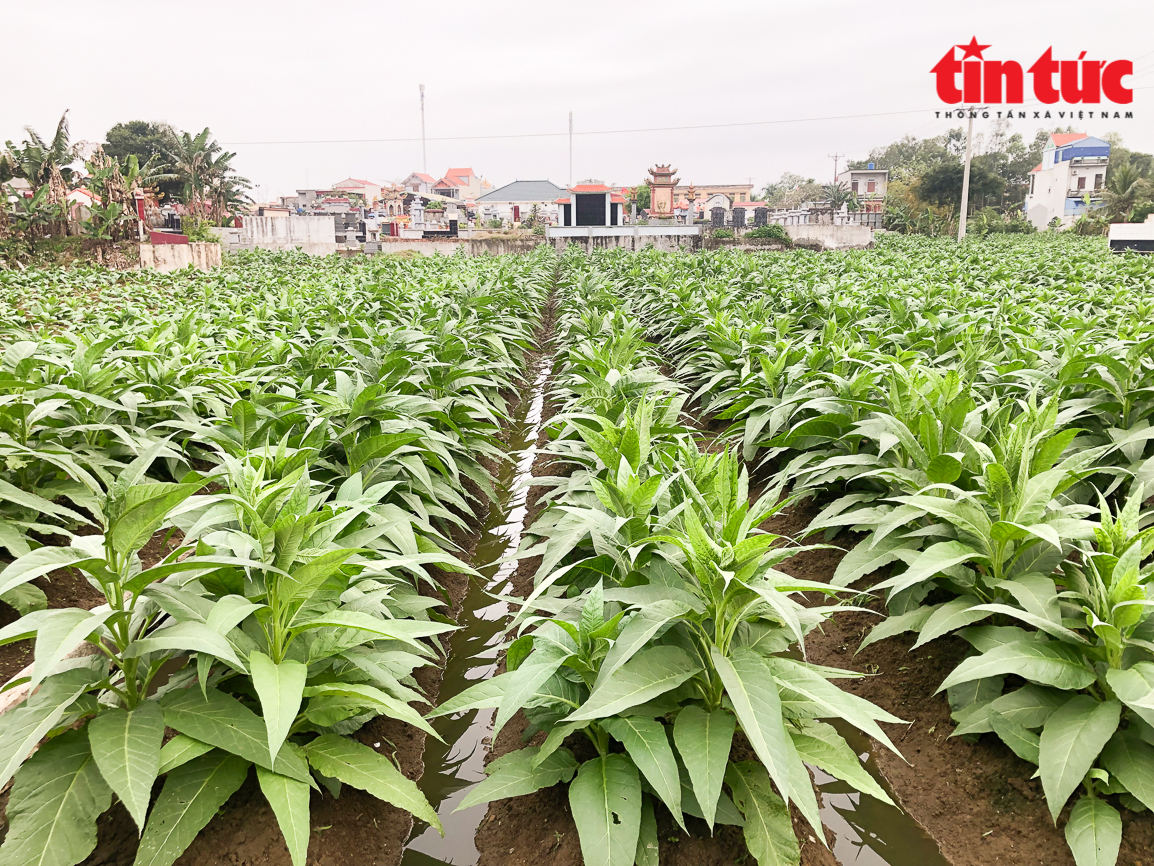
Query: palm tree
column 1123, row 187
column 211, row 186
column 838, row 194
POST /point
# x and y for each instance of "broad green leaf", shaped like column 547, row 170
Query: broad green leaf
column 751, row 687
column 944, row 469
column 648, row 846
column 482, row 694
column 1071, row 739
column 223, row 721
column 1036, row 593
column 949, row 617
column 180, row 750
column 606, row 802
column 289, row 800
column 650, row 673
column 636, row 634
column 280, row 688
column 304, row 581
column 53, row 805
column 797, row 679
column 647, row 743
column 358, row 765
column 522, row 684
column 192, row 794
column 703, row 740
column 911, row 620
column 1022, row 742
column 514, row 775
column 864, row 559
column 1130, row 759
column 821, row 745
column 187, row 636
column 1047, row 663
column 405, row 630
column 1028, row 706
column 25, row 598
column 145, row 507
column 126, row 747
column 1094, row 832
column 22, row 727
column 1135, row 688
column 768, row 828
column 61, row 635
column 932, row 562
column 39, row 563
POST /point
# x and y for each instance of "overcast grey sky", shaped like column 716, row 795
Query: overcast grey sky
column 257, row 71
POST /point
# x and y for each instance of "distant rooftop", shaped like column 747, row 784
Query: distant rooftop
column 524, row 190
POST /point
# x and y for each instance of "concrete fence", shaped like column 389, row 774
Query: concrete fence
column 175, row 257
column 314, row 235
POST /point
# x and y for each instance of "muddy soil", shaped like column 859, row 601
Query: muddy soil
column 976, row 799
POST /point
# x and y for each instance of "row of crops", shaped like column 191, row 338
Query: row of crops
column 266, row 472
column 978, row 424
column 261, row 472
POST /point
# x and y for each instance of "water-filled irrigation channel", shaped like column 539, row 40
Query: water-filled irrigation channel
column 453, row 767
column 869, row 833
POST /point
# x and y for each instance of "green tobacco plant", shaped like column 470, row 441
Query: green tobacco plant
column 661, row 633
column 1084, row 715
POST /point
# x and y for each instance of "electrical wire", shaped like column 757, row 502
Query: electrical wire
column 578, row 132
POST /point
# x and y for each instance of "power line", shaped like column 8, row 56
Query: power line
column 620, row 131
column 591, row 132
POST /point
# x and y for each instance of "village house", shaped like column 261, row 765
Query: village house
column 366, row 189
column 514, row 201
column 869, row 184
column 462, row 184
column 421, row 184
column 1073, row 167
column 736, row 192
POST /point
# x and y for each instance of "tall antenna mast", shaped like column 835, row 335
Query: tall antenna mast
column 570, row 148
column 424, row 155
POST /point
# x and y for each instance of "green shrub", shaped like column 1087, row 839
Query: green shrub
column 198, row 230
column 774, row 231
column 723, row 233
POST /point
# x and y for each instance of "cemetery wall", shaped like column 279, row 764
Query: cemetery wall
column 850, row 237
column 314, row 235
column 174, row 257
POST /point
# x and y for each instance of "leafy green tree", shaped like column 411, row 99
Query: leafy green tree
column 148, row 142
column 642, row 195
column 942, row 184
column 210, row 186
column 838, row 194
column 1125, row 188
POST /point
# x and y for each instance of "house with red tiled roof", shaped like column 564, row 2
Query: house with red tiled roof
column 1069, row 180
column 461, row 183
column 419, row 182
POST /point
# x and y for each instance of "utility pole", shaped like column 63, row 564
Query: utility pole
column 424, row 155
column 570, row 148
column 966, row 178
column 835, row 157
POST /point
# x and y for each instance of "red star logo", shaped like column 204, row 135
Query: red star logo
column 973, row 49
